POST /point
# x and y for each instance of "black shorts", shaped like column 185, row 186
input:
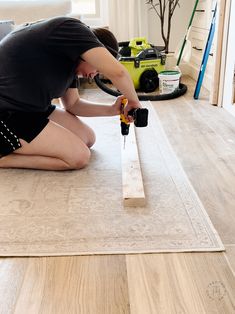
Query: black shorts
column 24, row 125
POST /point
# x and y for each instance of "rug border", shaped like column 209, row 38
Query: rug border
column 221, row 246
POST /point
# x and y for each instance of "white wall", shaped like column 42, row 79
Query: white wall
column 179, row 25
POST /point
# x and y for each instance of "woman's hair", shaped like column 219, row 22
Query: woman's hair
column 107, row 39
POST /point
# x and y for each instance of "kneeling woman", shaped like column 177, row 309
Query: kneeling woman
column 39, row 62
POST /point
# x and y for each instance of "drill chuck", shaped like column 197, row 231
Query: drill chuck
column 125, row 128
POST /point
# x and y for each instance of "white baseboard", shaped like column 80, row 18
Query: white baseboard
column 193, row 72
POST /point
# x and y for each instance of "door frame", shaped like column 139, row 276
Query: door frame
column 226, row 88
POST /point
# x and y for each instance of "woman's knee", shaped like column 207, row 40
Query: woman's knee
column 91, row 138
column 75, row 125
column 80, row 158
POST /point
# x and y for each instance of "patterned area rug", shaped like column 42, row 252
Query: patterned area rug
column 80, row 212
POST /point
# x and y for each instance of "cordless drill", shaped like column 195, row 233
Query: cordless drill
column 140, row 116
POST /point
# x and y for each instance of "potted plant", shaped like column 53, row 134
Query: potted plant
column 164, row 10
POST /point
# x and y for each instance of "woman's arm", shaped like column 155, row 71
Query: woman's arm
column 83, row 108
column 105, row 63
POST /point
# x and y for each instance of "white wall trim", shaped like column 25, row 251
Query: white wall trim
column 227, row 97
column 194, row 72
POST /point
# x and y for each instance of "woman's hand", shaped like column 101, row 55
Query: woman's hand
column 131, row 105
column 116, row 108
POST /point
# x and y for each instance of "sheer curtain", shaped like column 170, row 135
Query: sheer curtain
column 128, row 19
column 22, row 11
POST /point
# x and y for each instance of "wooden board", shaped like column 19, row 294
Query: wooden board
column 214, row 94
column 234, row 92
column 132, row 182
column 230, row 256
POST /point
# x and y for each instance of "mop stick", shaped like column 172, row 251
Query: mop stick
column 205, row 55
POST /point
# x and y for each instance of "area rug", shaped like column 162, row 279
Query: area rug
column 45, row 213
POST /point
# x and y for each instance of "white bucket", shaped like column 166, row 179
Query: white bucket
column 168, row 81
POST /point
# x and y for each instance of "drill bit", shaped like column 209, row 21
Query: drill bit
column 124, row 141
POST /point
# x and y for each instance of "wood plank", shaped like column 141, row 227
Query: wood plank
column 234, row 90
column 198, row 283
column 85, row 284
column 133, row 188
column 12, row 272
column 214, row 91
column 230, row 255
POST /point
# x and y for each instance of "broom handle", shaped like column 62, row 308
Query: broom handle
column 187, row 33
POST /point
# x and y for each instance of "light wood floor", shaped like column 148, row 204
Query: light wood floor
column 203, row 137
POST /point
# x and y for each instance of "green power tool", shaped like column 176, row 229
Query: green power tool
column 140, row 116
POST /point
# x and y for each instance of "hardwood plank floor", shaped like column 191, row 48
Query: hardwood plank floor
column 83, row 284
column 180, row 283
column 206, row 155
column 12, row 271
column 203, row 139
column 230, row 255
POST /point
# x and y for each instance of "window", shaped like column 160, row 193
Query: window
column 85, row 7
column 92, row 12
